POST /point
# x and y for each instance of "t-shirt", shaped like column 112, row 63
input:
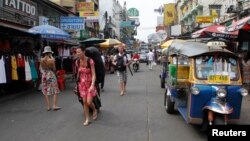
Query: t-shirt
column 150, row 56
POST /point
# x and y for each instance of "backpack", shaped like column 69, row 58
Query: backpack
column 93, row 53
column 120, row 62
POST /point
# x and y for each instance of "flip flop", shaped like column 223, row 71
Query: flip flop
column 95, row 115
column 57, row 108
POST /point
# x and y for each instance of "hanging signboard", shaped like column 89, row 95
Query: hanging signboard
column 72, row 23
column 85, row 6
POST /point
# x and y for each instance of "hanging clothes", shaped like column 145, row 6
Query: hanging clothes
column 2, row 70
column 66, row 52
column 28, row 76
column 14, row 75
column 60, row 51
column 7, row 60
column 33, row 70
column 21, row 67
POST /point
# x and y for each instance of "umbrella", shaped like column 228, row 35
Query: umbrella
column 49, row 32
column 92, row 41
column 110, row 42
column 214, row 31
column 164, row 50
column 169, row 42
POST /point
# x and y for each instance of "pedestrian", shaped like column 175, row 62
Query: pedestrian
column 86, row 84
column 121, row 61
column 150, row 57
column 49, row 80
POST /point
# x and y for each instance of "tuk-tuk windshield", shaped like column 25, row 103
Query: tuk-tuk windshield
column 207, row 66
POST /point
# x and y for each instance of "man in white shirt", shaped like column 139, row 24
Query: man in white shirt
column 150, row 57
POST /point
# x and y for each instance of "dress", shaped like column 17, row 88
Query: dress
column 2, row 70
column 33, row 70
column 49, row 82
column 28, row 76
column 14, row 75
column 85, row 76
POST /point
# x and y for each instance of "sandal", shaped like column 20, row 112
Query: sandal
column 57, row 108
column 95, row 115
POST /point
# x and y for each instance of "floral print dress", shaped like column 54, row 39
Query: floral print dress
column 49, row 83
column 85, row 77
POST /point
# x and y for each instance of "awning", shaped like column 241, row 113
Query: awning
column 215, row 31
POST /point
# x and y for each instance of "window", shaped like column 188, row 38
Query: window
column 206, row 66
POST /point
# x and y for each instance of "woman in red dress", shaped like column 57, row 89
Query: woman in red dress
column 86, row 84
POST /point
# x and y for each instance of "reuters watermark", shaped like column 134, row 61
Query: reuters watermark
column 241, row 132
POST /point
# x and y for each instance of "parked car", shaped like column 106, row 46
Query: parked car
column 143, row 57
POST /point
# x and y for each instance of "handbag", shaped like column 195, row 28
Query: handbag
column 154, row 63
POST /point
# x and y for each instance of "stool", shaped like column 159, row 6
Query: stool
column 60, row 79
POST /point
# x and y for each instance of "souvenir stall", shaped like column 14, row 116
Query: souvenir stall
column 17, row 59
column 59, row 42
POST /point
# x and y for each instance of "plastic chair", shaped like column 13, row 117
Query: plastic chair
column 61, row 79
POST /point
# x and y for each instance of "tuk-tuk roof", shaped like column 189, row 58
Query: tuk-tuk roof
column 191, row 49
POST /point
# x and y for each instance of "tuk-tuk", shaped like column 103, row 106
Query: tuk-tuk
column 203, row 82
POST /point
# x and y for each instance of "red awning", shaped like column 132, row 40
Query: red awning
column 243, row 24
column 214, row 31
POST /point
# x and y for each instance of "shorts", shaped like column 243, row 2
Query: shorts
column 122, row 76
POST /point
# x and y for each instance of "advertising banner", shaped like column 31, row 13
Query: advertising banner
column 169, row 14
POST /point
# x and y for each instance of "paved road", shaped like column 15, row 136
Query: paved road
column 137, row 116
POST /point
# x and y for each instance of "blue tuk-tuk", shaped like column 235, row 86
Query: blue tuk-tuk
column 203, row 82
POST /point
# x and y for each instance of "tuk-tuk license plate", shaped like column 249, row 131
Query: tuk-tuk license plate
column 222, row 79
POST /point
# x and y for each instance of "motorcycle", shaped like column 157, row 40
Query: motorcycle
column 135, row 65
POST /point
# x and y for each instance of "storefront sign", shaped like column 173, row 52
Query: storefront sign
column 204, row 19
column 88, row 13
column 85, row 6
column 23, row 7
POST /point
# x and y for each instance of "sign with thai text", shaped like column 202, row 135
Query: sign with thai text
column 204, row 19
column 72, row 23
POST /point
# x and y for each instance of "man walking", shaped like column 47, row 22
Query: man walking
column 121, row 61
column 150, row 56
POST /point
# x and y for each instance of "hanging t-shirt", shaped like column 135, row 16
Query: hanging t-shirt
column 14, row 75
column 2, row 70
column 28, row 76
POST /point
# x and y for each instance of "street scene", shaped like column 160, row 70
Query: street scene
column 125, row 70
column 138, row 115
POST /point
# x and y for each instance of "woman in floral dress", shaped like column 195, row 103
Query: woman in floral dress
column 86, row 84
column 49, row 81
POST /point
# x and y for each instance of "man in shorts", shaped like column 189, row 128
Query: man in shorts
column 121, row 61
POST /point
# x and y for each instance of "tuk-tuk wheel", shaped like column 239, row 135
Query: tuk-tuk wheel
column 170, row 105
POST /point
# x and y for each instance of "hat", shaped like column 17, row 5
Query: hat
column 47, row 49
